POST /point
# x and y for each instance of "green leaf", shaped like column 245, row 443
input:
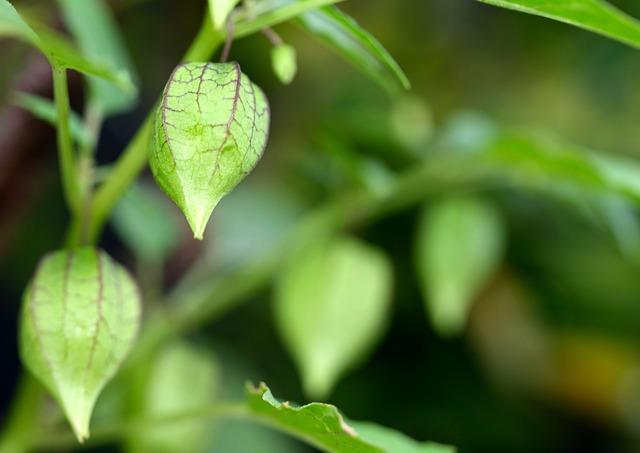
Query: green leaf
column 544, row 162
column 80, row 318
column 45, row 109
column 393, row 441
column 322, row 426
column 211, row 129
column 356, row 45
column 146, row 224
column 57, row 50
column 220, row 10
column 181, row 378
column 594, row 15
column 331, row 307
column 268, row 13
column 11, row 24
column 283, row 61
column 98, row 36
column 460, row 243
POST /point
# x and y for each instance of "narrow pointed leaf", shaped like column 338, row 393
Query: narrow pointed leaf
column 211, row 129
column 56, row 49
column 594, row 15
column 331, row 304
column 323, row 426
column 356, row 45
column 80, row 318
column 95, row 29
column 11, row 24
column 460, row 242
column 268, row 13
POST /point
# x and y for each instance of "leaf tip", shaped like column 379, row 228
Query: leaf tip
column 79, row 415
column 198, row 220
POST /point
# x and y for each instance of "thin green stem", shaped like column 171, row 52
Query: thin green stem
column 68, row 170
column 134, row 157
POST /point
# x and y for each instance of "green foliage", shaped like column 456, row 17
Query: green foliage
column 97, row 34
column 331, row 305
column 594, row 15
column 322, row 426
column 460, row 242
column 356, row 45
column 283, row 61
column 80, row 318
column 57, row 50
column 391, row 441
column 543, row 162
column 211, row 129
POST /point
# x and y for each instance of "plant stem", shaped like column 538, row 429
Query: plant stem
column 134, row 157
column 68, row 171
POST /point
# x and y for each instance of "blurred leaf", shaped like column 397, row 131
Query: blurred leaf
column 99, row 38
column 322, row 426
column 544, row 162
column 459, row 245
column 181, row 379
column 356, row 45
column 283, row 61
column 11, row 24
column 268, row 13
column 45, row 109
column 80, row 318
column 57, row 50
column 393, row 441
column 594, row 15
column 220, row 10
column 144, row 221
column 621, row 219
column 331, row 307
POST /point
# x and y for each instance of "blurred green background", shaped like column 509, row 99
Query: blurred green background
column 550, row 357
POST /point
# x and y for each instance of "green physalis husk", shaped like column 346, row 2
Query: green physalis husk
column 80, row 318
column 210, row 131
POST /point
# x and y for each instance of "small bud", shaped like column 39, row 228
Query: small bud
column 283, row 61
